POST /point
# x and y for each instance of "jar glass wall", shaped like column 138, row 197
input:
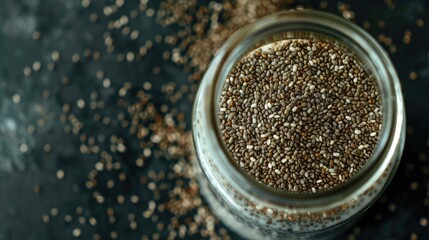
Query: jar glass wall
column 256, row 211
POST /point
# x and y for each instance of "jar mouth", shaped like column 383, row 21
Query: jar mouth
column 308, row 24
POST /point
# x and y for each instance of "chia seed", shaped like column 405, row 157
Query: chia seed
column 308, row 109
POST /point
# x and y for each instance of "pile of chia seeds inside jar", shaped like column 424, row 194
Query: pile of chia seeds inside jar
column 300, row 115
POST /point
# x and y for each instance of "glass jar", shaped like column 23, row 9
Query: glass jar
column 256, row 211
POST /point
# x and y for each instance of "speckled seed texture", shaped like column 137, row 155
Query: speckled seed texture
column 301, row 116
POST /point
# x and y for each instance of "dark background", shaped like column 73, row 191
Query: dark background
column 40, row 136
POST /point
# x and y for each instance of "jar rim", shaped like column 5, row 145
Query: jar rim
column 392, row 103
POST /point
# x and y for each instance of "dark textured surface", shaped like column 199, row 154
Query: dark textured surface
column 65, row 27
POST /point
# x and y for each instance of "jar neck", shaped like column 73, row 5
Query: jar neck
column 311, row 25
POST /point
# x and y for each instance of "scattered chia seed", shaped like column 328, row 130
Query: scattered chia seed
column 307, row 108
